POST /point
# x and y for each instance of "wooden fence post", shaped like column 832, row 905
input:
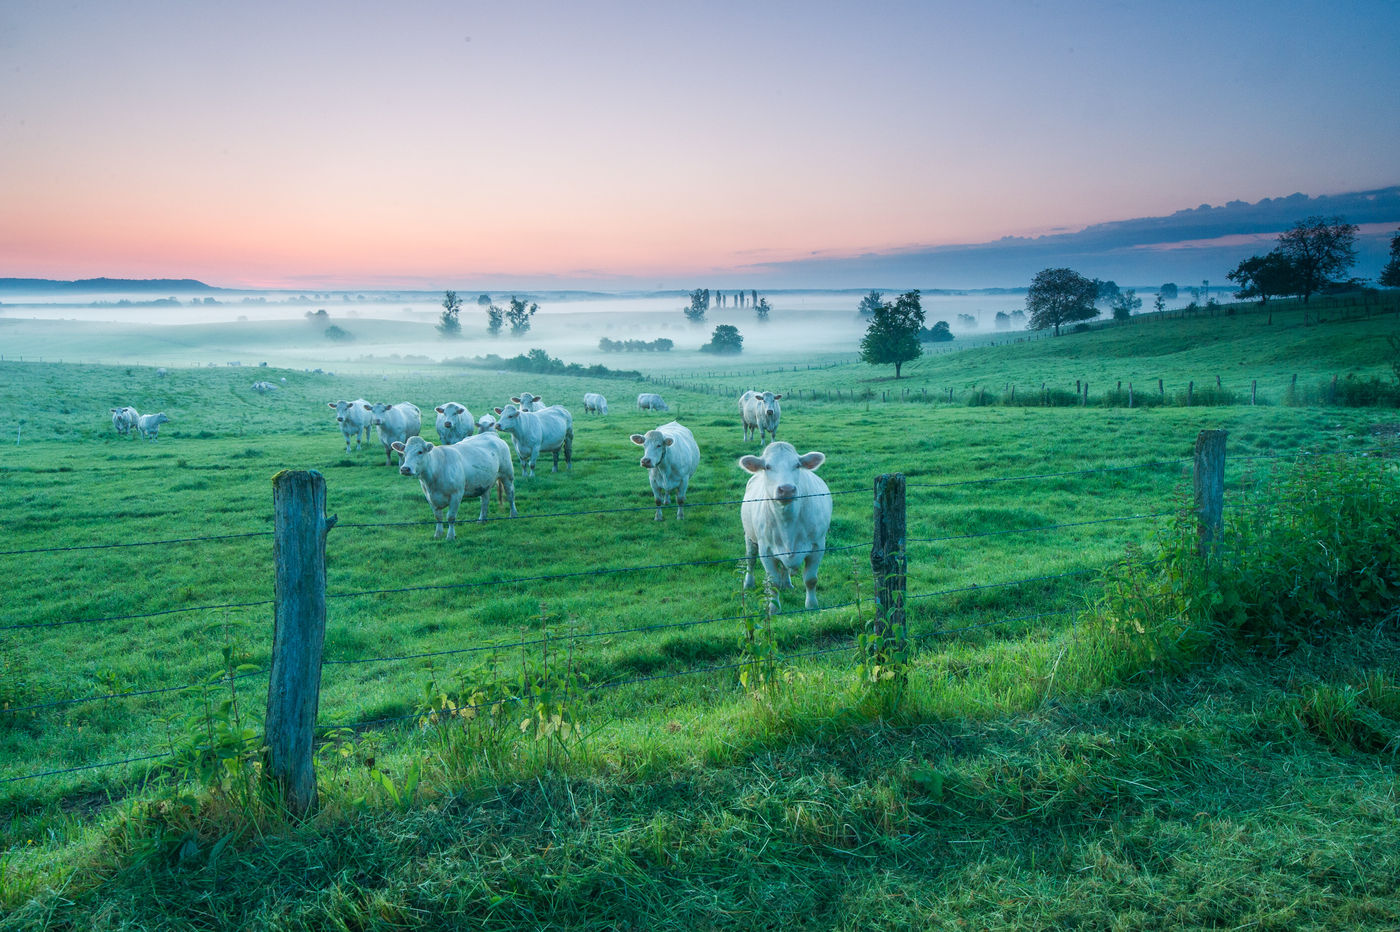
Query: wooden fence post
column 1130, row 394
column 1190, row 393
column 1253, row 391
column 887, row 558
column 298, row 634
column 1208, row 483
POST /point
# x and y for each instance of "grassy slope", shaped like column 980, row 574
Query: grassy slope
column 214, row 479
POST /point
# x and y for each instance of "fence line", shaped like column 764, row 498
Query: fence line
column 138, row 543
column 167, row 611
column 1042, row 527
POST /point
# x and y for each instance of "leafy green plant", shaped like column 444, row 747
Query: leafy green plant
column 552, row 693
column 760, row 659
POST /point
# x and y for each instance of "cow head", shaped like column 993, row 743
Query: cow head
column 413, row 452
column 781, row 467
column 653, row 444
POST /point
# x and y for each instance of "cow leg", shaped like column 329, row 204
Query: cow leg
column 569, row 449
column 680, row 498
column 452, row 516
column 509, row 486
column 811, row 564
column 437, row 514
column 556, row 462
column 485, row 499
column 750, row 557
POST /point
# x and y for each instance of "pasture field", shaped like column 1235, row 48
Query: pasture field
column 136, row 568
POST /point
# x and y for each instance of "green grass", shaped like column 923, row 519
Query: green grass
column 1019, row 783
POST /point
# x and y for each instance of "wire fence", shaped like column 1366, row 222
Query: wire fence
column 861, row 604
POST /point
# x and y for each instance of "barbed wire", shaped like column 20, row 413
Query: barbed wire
column 126, row 695
column 81, row 767
column 1048, row 475
column 167, row 611
column 1043, row 527
column 138, row 543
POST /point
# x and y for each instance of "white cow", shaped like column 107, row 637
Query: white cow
column 124, row 419
column 650, row 401
column 396, row 423
column 786, row 514
column 594, row 403
column 149, row 425
column 528, row 402
column 263, row 388
column 762, row 413
column 536, row 432
column 454, row 422
column 485, row 422
column 450, row 472
column 505, row 466
column 354, row 420
column 670, row 456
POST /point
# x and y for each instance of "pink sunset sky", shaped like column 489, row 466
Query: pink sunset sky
column 426, row 144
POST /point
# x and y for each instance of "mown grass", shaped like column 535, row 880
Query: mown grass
column 1020, row 781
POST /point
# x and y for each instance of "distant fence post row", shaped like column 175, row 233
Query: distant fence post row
column 299, row 551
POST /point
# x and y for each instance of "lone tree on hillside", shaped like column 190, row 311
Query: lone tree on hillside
column 483, row 300
column 1168, row 291
column 449, row 324
column 1390, row 275
column 893, row 335
column 1265, row 277
column 725, row 339
column 1320, row 249
column 699, row 303
column 495, row 317
column 1124, row 303
column 519, row 316
column 1060, row 296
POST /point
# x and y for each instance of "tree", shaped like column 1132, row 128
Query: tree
column 1106, row 291
column 893, row 335
column 1264, row 277
column 1390, row 275
column 449, row 324
column 761, row 309
column 1168, row 291
column 870, row 303
column 495, row 317
column 725, row 339
column 519, row 316
column 938, row 333
column 1320, row 250
column 483, row 300
column 699, row 303
column 1160, row 303
column 1060, row 296
column 1124, row 303
column 1003, row 320
column 338, row 334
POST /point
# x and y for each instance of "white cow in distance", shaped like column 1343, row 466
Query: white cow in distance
column 761, row 414
column 536, row 432
column 786, row 514
column 448, row 473
column 650, row 401
column 396, row 424
column 594, row 403
column 454, row 422
column 485, row 422
column 670, row 457
column 529, row 402
column 354, row 420
column 124, row 419
column 149, row 425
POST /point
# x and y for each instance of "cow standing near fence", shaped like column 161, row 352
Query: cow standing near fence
column 786, row 514
column 449, row 473
column 396, row 424
column 761, row 413
column 670, row 456
column 354, row 420
column 536, row 432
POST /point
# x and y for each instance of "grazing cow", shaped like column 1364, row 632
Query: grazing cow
column 263, row 388
column 124, row 419
column 529, row 402
column 670, row 456
column 353, row 418
column 650, row 401
column 450, row 472
column 536, row 432
column 454, row 422
column 395, row 422
column 786, row 514
column 149, row 425
column 762, row 413
column 594, row 403
column 485, row 422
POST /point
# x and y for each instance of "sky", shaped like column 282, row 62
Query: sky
column 642, row 144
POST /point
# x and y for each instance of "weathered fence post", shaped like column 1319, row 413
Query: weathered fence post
column 887, row 558
column 298, row 634
column 1208, row 482
column 1130, row 394
column 1253, row 391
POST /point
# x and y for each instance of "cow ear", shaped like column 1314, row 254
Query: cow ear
column 514, row 399
column 497, row 410
column 330, row 404
column 639, row 440
column 397, row 446
column 427, row 446
column 811, row 460
column 670, row 440
column 776, row 397
column 439, row 410
column 751, row 464
column 368, row 407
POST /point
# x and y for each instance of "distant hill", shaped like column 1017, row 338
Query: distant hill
column 103, row 286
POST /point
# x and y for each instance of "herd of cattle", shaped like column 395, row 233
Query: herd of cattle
column 786, row 510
